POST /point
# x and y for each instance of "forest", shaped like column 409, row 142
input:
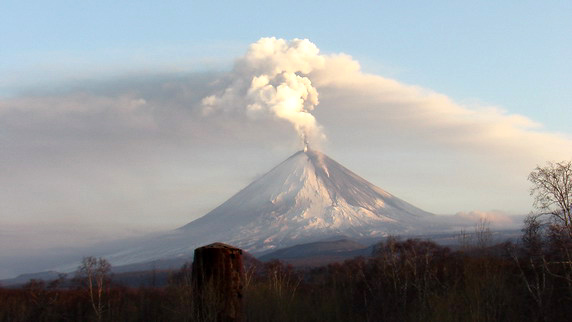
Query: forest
column 403, row 280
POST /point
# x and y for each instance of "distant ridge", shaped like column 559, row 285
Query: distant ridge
column 322, row 250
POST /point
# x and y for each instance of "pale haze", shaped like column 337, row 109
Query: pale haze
column 128, row 121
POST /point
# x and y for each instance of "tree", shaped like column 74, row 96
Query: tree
column 483, row 234
column 95, row 272
column 532, row 236
column 552, row 191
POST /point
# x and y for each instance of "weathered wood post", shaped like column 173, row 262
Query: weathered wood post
column 218, row 281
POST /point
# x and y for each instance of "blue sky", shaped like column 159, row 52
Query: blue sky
column 513, row 54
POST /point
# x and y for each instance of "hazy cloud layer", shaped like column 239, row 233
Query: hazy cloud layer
column 496, row 219
column 141, row 153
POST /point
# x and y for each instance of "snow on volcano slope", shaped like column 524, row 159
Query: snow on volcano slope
column 308, row 197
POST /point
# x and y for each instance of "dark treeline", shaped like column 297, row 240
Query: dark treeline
column 410, row 280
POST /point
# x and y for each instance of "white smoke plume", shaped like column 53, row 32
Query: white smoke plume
column 272, row 80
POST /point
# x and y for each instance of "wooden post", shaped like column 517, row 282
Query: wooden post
column 218, row 281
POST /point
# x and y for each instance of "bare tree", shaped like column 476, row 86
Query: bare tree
column 533, row 236
column 464, row 239
column 532, row 262
column 95, row 272
column 483, row 234
column 552, row 191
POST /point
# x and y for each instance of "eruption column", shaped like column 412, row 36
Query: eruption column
column 273, row 78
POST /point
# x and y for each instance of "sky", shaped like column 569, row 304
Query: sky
column 105, row 131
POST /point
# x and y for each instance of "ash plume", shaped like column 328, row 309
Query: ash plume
column 272, row 80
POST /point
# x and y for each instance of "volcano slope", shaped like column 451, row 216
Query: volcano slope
column 308, row 197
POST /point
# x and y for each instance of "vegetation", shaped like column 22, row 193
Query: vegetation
column 94, row 273
column 411, row 280
column 552, row 191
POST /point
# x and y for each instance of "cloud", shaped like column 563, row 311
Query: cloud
column 495, row 218
column 415, row 113
column 469, row 220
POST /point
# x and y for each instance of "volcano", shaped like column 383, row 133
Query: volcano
column 308, row 197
